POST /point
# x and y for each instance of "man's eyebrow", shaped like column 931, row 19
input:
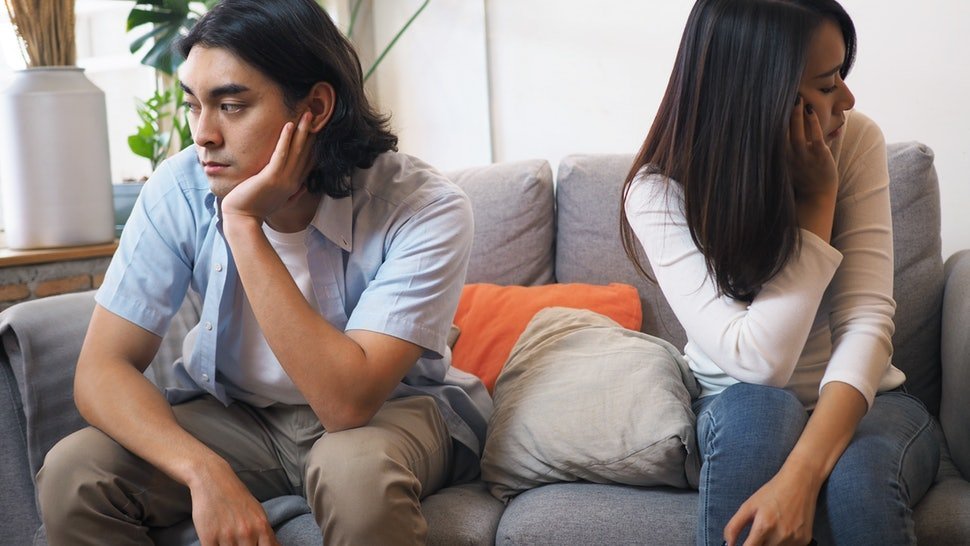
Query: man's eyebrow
column 830, row 72
column 221, row 91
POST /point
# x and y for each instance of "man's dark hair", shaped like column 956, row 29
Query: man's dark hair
column 295, row 44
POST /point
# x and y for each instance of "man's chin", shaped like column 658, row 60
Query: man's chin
column 221, row 186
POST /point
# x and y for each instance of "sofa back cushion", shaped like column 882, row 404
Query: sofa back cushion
column 588, row 247
column 515, row 219
column 918, row 283
column 588, row 250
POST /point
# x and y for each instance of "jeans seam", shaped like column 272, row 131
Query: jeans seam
column 898, row 482
column 710, row 437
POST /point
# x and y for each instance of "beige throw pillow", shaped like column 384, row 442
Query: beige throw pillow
column 582, row 398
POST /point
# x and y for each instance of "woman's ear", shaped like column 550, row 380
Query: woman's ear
column 321, row 101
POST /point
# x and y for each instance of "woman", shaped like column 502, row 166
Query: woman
column 761, row 200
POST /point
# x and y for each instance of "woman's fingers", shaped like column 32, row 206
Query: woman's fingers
column 815, row 134
column 732, row 531
column 796, row 133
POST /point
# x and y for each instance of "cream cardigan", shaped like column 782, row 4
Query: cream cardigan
column 827, row 316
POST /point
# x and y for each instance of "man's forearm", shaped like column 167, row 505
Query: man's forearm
column 122, row 403
column 336, row 375
column 113, row 395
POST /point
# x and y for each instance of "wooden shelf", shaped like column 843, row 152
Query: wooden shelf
column 9, row 258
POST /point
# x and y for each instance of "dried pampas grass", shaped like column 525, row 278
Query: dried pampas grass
column 47, row 30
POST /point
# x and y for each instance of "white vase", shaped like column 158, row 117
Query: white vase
column 55, row 172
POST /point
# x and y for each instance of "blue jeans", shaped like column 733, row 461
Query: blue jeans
column 746, row 432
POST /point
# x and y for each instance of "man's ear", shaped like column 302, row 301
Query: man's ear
column 321, row 101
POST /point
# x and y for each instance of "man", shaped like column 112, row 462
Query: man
column 329, row 267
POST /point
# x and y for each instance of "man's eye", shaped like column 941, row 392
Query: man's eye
column 190, row 107
column 231, row 108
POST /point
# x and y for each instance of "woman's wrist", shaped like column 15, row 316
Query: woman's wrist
column 816, row 213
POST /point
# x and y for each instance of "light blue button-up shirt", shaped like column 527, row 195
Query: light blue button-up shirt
column 390, row 258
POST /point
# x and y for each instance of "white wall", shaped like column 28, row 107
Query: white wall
column 434, row 82
column 567, row 76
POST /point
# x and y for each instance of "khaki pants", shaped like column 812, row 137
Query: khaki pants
column 363, row 485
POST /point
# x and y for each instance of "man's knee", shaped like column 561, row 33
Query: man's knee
column 74, row 469
column 358, row 483
column 358, row 462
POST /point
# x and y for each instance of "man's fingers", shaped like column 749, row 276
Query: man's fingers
column 295, row 156
column 280, row 153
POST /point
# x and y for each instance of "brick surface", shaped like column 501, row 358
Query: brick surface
column 14, row 292
column 63, row 286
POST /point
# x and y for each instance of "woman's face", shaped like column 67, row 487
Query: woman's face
column 821, row 84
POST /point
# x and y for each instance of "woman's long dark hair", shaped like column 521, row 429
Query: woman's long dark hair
column 721, row 132
column 295, row 44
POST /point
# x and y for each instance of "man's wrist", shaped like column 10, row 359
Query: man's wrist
column 236, row 226
column 199, row 472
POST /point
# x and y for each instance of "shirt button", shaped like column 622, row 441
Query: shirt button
column 208, row 325
column 218, row 267
column 205, row 377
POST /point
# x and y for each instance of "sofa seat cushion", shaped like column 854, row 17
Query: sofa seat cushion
column 582, row 398
column 460, row 515
column 586, row 513
column 943, row 516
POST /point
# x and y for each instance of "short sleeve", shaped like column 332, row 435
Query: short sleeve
column 149, row 274
column 415, row 293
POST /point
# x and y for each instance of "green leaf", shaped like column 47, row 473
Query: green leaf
column 140, row 147
column 139, row 16
column 394, row 40
column 138, row 42
column 161, row 56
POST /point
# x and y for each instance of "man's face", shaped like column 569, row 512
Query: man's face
column 236, row 115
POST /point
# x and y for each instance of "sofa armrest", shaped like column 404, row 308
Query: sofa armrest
column 955, row 353
column 41, row 340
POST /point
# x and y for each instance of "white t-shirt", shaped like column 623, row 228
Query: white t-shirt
column 827, row 316
column 259, row 379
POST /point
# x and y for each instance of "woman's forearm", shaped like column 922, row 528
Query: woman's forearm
column 828, row 432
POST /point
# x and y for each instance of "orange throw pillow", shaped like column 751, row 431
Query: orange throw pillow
column 492, row 317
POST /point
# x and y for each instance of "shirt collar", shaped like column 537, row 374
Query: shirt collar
column 335, row 220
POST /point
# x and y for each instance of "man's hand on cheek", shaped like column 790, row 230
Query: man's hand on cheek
column 279, row 182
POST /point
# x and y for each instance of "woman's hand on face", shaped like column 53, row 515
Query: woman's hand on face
column 280, row 182
column 812, row 165
column 781, row 512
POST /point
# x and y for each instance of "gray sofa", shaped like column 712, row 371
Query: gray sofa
column 527, row 233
